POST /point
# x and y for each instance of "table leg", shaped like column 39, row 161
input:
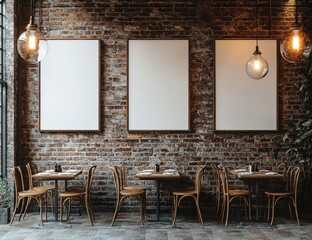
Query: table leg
column 56, row 200
column 157, row 199
column 257, row 201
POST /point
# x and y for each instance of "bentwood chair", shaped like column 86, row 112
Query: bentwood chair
column 21, row 194
column 218, row 187
column 230, row 194
column 122, row 194
column 124, row 182
column 68, row 196
column 48, row 189
column 189, row 192
column 290, row 193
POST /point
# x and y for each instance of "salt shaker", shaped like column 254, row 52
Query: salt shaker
column 157, row 167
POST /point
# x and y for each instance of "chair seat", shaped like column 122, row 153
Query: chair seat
column 131, row 192
column 30, row 193
column 135, row 187
column 186, row 192
column 71, row 194
column 76, row 189
column 235, row 188
column 239, row 192
column 279, row 193
column 44, row 188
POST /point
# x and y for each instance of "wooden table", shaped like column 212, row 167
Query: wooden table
column 256, row 176
column 56, row 176
column 158, row 177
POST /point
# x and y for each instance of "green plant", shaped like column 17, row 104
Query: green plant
column 5, row 194
column 299, row 136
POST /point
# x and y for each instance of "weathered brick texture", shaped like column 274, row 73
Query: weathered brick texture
column 115, row 21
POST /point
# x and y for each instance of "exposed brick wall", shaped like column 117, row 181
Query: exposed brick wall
column 113, row 22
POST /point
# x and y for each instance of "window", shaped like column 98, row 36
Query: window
column 3, row 89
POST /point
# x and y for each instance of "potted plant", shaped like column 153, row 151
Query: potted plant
column 5, row 201
column 299, row 136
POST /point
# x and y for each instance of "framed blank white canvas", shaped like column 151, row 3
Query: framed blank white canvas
column 158, row 85
column 241, row 103
column 70, row 86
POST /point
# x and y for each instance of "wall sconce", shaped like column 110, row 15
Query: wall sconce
column 31, row 44
column 296, row 44
column 257, row 67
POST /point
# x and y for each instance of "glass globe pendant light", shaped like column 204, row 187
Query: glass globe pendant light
column 31, row 44
column 257, row 67
column 296, row 44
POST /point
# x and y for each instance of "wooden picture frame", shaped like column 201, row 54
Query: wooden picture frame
column 70, row 86
column 158, row 85
column 241, row 103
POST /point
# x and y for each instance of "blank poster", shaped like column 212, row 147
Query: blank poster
column 241, row 103
column 158, row 85
column 69, row 86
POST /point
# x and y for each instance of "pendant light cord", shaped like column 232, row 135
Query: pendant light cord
column 33, row 8
column 296, row 11
column 257, row 23
column 270, row 18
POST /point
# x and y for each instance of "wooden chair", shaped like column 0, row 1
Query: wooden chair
column 122, row 194
column 194, row 193
column 281, row 168
column 48, row 189
column 216, row 176
column 69, row 196
column 230, row 194
column 124, row 184
column 290, row 193
column 21, row 194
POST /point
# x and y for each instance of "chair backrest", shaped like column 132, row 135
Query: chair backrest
column 18, row 180
column 89, row 179
column 281, row 168
column 293, row 179
column 121, row 169
column 216, row 176
column 289, row 177
column 117, row 179
column 29, row 173
column 199, row 178
column 224, row 179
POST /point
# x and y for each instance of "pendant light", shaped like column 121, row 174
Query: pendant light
column 257, row 67
column 296, row 45
column 31, row 44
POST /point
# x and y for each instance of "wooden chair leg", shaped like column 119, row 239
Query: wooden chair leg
column 46, row 206
column 223, row 209
column 273, row 209
column 26, row 208
column 176, row 198
column 61, row 209
column 40, row 209
column 89, row 210
column 217, row 202
column 68, row 210
column 227, row 212
column 14, row 212
column 116, row 211
column 269, row 207
column 296, row 211
column 290, row 210
column 198, row 211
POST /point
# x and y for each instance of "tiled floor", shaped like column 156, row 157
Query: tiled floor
column 128, row 227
